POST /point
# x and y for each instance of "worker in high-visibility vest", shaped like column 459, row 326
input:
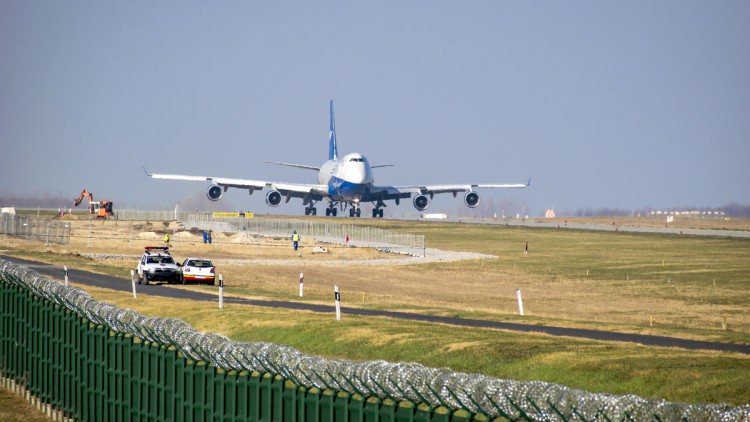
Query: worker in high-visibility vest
column 295, row 239
column 166, row 239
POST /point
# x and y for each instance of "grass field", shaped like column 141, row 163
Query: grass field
column 15, row 409
column 686, row 286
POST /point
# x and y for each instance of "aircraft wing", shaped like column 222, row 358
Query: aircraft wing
column 391, row 192
column 288, row 190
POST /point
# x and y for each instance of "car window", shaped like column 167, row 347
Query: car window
column 202, row 263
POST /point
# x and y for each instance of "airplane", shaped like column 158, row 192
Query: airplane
column 342, row 182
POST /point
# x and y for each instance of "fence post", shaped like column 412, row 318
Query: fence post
column 520, row 302
column 221, row 291
column 337, row 297
column 132, row 282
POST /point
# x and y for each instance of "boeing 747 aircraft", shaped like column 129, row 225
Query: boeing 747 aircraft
column 342, row 182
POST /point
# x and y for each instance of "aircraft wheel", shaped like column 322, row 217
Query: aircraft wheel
column 307, row 210
column 380, row 213
column 351, row 212
column 328, row 212
column 313, row 211
column 334, row 211
column 359, row 212
column 374, row 213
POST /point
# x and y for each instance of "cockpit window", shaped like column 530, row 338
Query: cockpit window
column 357, row 160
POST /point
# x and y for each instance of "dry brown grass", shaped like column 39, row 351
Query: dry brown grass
column 632, row 280
column 679, row 222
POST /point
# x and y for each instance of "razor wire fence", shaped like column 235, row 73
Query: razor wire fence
column 480, row 396
column 38, row 229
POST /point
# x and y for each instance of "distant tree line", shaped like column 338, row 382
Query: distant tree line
column 505, row 207
column 733, row 210
column 41, row 201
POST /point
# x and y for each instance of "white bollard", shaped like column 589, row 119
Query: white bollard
column 65, row 267
column 221, row 291
column 337, row 297
column 132, row 281
column 301, row 283
column 520, row 302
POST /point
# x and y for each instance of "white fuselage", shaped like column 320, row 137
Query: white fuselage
column 349, row 179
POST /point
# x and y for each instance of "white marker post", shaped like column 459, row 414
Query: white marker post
column 132, row 281
column 221, row 291
column 301, row 283
column 337, row 297
column 520, row 302
column 65, row 267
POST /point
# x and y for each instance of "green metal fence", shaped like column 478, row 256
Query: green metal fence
column 88, row 372
column 85, row 360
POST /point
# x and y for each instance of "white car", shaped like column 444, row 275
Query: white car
column 157, row 264
column 198, row 270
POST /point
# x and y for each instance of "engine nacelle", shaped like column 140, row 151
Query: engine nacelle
column 273, row 198
column 421, row 202
column 214, row 192
column 471, row 199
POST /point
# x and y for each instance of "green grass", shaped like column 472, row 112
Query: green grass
column 673, row 276
column 617, row 368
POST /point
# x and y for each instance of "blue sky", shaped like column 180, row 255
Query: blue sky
column 603, row 104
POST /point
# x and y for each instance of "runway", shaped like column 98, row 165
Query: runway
column 80, row 277
column 740, row 234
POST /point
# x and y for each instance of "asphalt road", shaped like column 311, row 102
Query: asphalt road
column 79, row 277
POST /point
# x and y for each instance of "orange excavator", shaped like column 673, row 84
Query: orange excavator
column 100, row 209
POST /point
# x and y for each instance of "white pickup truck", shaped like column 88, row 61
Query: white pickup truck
column 157, row 264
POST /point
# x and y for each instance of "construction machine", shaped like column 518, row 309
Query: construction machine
column 97, row 209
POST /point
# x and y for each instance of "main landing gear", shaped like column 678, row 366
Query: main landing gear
column 377, row 213
column 331, row 211
column 312, row 211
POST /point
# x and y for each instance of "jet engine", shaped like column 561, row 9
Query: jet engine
column 421, row 202
column 273, row 198
column 471, row 199
column 214, row 192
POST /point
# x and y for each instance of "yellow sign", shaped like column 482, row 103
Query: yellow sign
column 233, row 214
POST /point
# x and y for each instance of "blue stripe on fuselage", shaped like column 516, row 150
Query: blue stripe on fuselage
column 341, row 190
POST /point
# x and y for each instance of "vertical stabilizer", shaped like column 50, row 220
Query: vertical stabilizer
column 332, row 151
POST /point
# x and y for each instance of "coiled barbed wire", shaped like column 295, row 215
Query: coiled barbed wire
column 476, row 393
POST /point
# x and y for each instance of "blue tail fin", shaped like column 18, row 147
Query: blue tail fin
column 332, row 151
